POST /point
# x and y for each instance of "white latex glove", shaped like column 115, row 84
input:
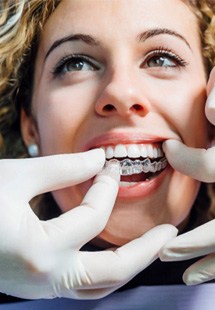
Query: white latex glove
column 197, row 242
column 41, row 259
column 199, row 164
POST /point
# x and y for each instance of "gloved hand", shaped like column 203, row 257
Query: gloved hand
column 199, row 164
column 41, row 259
column 197, row 242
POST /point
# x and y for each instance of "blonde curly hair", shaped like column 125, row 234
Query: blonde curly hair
column 21, row 24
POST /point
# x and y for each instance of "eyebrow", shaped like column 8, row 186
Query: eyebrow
column 74, row 37
column 94, row 42
column 159, row 31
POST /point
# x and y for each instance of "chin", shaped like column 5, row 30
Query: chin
column 122, row 234
column 132, row 219
column 125, row 225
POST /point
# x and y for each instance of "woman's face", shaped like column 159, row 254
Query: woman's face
column 124, row 75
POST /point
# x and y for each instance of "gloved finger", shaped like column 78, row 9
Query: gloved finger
column 115, row 268
column 210, row 104
column 197, row 163
column 201, row 271
column 86, row 221
column 197, row 242
column 43, row 174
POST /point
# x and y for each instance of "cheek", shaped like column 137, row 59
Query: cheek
column 60, row 117
column 68, row 198
column 180, row 201
column 184, row 111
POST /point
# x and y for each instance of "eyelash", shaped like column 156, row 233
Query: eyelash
column 160, row 52
column 168, row 53
column 58, row 69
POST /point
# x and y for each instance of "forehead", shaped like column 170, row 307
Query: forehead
column 119, row 18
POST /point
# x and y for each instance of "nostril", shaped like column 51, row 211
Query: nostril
column 137, row 107
column 109, row 108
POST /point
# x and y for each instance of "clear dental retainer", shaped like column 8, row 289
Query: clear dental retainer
column 129, row 167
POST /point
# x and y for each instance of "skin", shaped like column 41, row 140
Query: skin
column 124, row 95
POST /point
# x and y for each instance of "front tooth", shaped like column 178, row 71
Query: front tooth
column 109, row 152
column 143, row 151
column 133, row 151
column 120, row 151
column 150, row 151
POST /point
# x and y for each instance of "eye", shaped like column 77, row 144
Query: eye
column 163, row 59
column 75, row 63
column 160, row 61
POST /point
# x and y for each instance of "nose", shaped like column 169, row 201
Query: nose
column 122, row 95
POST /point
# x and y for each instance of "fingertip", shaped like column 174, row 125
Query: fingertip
column 185, row 278
column 210, row 110
column 164, row 255
column 111, row 169
column 175, row 151
column 98, row 154
column 163, row 234
column 190, row 279
column 170, row 144
column 173, row 231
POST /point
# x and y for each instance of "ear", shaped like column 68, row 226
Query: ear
column 28, row 129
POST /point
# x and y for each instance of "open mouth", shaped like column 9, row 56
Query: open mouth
column 138, row 162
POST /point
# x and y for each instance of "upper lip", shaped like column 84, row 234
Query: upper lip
column 114, row 138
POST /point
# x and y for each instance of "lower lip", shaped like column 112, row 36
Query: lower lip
column 145, row 188
column 139, row 190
